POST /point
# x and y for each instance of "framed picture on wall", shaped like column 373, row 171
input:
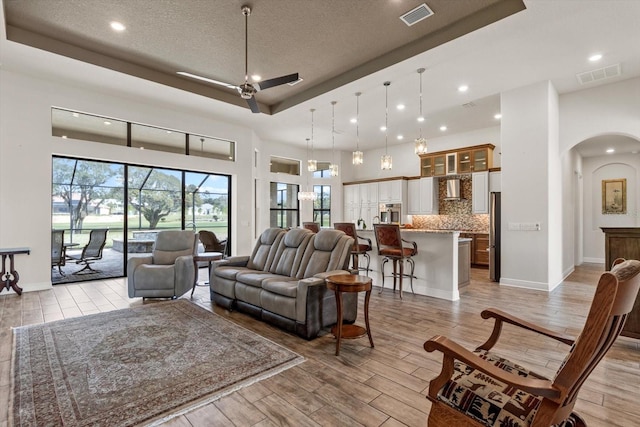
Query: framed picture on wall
column 614, row 196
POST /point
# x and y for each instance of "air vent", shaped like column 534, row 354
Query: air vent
column 599, row 74
column 416, row 15
column 293, row 83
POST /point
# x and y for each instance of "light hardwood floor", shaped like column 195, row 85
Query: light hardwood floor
column 384, row 386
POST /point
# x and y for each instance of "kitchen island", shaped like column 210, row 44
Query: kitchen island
column 438, row 263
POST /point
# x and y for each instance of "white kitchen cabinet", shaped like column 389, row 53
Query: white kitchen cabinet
column 351, row 195
column 394, row 191
column 495, row 182
column 422, row 196
column 480, row 193
column 368, row 192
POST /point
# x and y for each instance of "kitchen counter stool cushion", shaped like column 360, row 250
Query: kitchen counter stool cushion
column 359, row 248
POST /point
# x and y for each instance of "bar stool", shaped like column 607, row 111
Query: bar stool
column 359, row 248
column 313, row 226
column 390, row 246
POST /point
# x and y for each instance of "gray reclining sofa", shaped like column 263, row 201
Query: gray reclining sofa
column 282, row 282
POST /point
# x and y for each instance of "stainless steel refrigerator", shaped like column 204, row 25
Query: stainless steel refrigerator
column 494, row 237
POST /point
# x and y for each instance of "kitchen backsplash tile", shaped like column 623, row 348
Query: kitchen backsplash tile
column 454, row 214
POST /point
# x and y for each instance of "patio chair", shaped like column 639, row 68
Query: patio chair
column 58, row 257
column 92, row 251
column 211, row 242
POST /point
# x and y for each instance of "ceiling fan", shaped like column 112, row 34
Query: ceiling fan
column 248, row 90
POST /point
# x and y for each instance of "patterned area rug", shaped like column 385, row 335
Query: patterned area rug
column 140, row 365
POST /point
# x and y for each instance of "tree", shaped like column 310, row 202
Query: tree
column 79, row 183
column 159, row 196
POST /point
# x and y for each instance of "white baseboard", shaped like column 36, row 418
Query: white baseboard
column 593, row 260
column 526, row 284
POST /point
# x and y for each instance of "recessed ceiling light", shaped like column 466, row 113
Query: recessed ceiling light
column 400, row 107
column 354, row 120
column 383, row 128
column 400, row 137
column 610, row 150
column 463, row 88
column 107, row 123
column 117, row 26
column 142, row 148
column 169, row 131
column 596, row 57
column 75, row 115
column 256, row 78
column 497, row 116
column 443, row 128
column 64, row 136
column 421, row 119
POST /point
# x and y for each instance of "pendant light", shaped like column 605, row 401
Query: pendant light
column 333, row 167
column 312, row 165
column 358, row 157
column 307, row 195
column 420, row 143
column 386, row 162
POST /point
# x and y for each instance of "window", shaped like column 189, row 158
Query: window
column 88, row 127
column 133, row 202
column 284, row 208
column 284, row 165
column 322, row 205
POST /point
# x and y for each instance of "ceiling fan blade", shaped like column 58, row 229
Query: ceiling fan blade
column 253, row 104
column 206, row 79
column 276, row 81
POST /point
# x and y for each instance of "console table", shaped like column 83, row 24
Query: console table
column 624, row 242
column 9, row 279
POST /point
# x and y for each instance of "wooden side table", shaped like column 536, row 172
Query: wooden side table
column 9, row 278
column 209, row 257
column 350, row 283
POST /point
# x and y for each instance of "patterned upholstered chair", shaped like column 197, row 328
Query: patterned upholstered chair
column 391, row 246
column 313, row 226
column 481, row 388
column 361, row 245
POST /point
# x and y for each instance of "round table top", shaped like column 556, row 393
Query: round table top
column 349, row 282
column 207, row 256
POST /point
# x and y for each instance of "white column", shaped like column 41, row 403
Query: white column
column 531, row 188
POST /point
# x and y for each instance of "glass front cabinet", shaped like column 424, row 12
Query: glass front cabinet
column 467, row 160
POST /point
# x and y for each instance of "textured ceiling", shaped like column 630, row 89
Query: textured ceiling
column 329, row 42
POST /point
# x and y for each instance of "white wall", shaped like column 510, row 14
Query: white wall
column 26, row 148
column 595, row 170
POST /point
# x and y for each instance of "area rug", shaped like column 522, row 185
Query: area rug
column 139, row 365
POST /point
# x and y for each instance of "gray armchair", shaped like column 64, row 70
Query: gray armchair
column 169, row 272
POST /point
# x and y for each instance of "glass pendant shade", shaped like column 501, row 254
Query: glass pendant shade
column 386, row 162
column 312, row 165
column 421, row 146
column 358, row 157
column 333, row 168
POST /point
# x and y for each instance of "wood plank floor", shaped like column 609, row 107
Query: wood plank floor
column 384, row 386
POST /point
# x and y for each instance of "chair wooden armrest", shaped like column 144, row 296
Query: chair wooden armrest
column 452, row 351
column 364, row 238
column 415, row 246
column 502, row 317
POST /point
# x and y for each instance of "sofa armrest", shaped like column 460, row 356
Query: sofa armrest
column 238, row 261
column 326, row 274
column 135, row 262
column 302, row 294
column 185, row 274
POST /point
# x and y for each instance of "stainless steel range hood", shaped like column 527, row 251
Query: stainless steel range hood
column 453, row 189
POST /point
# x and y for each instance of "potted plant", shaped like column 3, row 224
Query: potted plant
column 362, row 224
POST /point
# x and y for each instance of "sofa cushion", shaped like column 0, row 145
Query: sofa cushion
column 487, row 400
column 264, row 251
column 256, row 278
column 329, row 250
column 291, row 251
column 284, row 288
column 279, row 304
column 154, row 276
column 171, row 244
column 230, row 271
